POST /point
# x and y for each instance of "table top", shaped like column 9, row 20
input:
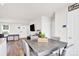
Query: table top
column 39, row 47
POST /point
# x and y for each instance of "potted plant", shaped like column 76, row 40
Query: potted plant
column 42, row 37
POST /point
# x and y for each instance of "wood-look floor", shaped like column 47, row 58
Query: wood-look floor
column 14, row 48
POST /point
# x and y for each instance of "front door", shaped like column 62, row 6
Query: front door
column 73, row 33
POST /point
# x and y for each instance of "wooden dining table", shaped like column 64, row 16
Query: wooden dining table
column 43, row 48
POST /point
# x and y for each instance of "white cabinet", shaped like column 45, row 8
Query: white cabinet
column 3, row 47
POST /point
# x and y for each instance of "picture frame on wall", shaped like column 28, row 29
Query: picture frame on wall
column 5, row 27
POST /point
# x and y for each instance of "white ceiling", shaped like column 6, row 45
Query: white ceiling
column 28, row 11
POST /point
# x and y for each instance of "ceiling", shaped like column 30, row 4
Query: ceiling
column 28, row 11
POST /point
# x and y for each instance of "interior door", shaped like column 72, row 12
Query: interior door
column 70, row 33
column 73, row 33
column 70, row 28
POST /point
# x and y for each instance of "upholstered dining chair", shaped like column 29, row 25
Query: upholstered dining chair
column 10, row 37
column 60, row 52
column 56, row 52
column 25, row 48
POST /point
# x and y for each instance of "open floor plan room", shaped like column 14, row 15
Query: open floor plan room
column 39, row 29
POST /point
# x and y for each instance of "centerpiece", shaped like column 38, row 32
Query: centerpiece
column 42, row 37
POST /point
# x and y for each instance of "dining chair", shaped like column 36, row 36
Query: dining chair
column 56, row 52
column 10, row 37
column 16, row 37
column 59, row 52
column 13, row 37
column 32, row 53
column 25, row 48
column 65, row 52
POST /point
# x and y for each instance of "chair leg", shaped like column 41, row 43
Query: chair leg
column 24, row 54
column 59, row 53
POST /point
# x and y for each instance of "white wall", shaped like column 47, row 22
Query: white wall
column 37, row 23
column 52, row 25
column 60, row 20
column 53, row 28
column 46, row 26
column 13, row 29
column 0, row 28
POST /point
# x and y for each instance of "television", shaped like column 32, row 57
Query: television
column 32, row 27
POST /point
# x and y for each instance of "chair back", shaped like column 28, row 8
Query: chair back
column 10, row 38
column 25, row 48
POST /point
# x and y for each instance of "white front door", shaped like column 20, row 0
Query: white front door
column 73, row 33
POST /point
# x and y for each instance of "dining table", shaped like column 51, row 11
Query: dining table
column 43, row 48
